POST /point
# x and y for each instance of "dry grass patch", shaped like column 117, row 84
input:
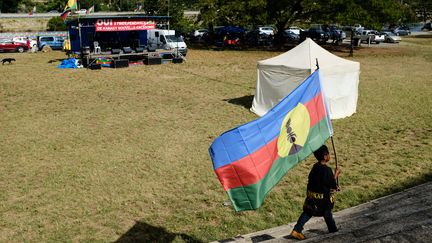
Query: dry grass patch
column 24, row 24
column 123, row 154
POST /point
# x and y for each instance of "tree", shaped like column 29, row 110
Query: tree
column 56, row 24
column 421, row 8
column 8, row 6
column 283, row 13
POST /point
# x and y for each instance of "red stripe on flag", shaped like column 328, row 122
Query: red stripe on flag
column 255, row 166
column 250, row 169
column 316, row 109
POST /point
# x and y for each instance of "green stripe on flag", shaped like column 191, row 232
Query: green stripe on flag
column 251, row 197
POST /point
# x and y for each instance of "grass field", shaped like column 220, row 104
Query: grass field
column 122, row 155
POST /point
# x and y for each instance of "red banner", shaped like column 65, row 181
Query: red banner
column 106, row 25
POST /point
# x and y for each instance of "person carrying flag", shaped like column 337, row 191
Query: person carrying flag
column 320, row 194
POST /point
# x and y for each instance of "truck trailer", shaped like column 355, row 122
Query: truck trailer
column 166, row 39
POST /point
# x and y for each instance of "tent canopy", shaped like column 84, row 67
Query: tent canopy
column 278, row 76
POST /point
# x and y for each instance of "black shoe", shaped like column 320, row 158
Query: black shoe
column 334, row 230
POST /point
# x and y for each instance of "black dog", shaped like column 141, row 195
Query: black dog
column 9, row 60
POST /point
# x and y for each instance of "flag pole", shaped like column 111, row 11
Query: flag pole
column 334, row 149
column 336, row 161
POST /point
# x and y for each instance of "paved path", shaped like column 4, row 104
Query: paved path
column 401, row 217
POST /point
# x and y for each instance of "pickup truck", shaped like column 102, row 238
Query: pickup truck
column 379, row 37
column 367, row 36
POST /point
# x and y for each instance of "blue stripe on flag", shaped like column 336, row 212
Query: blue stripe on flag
column 245, row 139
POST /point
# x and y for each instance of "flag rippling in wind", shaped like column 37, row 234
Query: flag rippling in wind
column 251, row 159
column 90, row 10
column 70, row 5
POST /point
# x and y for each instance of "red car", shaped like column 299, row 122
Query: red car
column 9, row 45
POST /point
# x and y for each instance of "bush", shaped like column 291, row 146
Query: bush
column 56, row 24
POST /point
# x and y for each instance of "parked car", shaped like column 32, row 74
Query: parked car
column 427, row 27
column 290, row 36
column 268, row 30
column 197, row 36
column 11, row 46
column 55, row 42
column 200, row 32
column 255, row 38
column 379, row 37
column 401, row 31
column 358, row 27
column 24, row 41
column 335, row 33
column 367, row 36
column 316, row 33
column 296, row 30
column 391, row 37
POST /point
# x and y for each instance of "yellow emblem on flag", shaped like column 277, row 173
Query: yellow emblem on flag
column 294, row 131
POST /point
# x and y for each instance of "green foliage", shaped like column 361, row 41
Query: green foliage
column 8, row 6
column 56, row 24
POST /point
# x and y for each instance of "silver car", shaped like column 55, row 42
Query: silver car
column 391, row 37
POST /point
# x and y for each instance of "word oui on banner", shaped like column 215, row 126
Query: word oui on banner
column 107, row 25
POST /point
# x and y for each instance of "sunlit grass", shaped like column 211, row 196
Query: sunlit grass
column 123, row 153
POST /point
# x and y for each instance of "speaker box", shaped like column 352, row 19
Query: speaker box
column 152, row 60
column 154, row 55
column 95, row 66
column 177, row 60
column 127, row 50
column 139, row 49
column 151, row 49
column 120, row 63
column 115, row 51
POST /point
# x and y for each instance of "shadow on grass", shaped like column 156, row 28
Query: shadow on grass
column 143, row 232
column 245, row 101
column 395, row 188
column 409, row 183
column 56, row 60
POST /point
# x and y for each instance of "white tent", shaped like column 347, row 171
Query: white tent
column 278, row 76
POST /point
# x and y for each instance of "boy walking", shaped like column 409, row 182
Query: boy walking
column 320, row 194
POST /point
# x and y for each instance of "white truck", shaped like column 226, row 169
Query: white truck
column 166, row 39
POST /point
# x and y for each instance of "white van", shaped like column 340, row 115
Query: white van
column 166, row 39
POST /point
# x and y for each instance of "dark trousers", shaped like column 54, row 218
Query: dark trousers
column 328, row 217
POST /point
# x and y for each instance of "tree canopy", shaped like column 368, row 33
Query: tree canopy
column 245, row 13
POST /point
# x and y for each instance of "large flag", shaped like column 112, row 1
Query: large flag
column 71, row 5
column 251, row 159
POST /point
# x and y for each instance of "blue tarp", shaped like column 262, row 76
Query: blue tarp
column 69, row 63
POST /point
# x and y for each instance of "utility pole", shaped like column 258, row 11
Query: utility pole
column 168, row 14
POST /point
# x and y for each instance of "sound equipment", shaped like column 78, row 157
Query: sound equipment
column 115, row 51
column 154, row 54
column 127, row 50
column 85, row 50
column 120, row 63
column 95, row 66
column 177, row 60
column 139, row 49
column 152, row 60
column 151, row 49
